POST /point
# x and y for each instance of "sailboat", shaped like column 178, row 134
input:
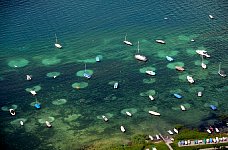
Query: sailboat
column 190, row 79
column 140, row 57
column 56, row 43
column 221, row 72
column 203, row 65
column 88, row 76
column 127, row 42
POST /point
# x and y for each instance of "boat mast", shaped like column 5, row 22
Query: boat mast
column 85, row 67
column 125, row 37
column 138, row 46
column 56, row 41
column 219, row 67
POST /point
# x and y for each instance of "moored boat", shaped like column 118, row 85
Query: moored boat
column 179, row 68
column 57, row 45
column 213, row 107
column 182, row 107
column 209, row 131
column 175, row 130
column 128, row 113
column 48, row 124
column 150, row 72
column 12, row 112
column 151, row 97
column 33, row 93
column 98, row 59
column 126, row 41
column 21, row 123
column 169, row 58
column 210, row 16
column 170, row 132
column 105, row 118
column 160, row 41
column 151, row 138
column 221, row 72
column 140, row 57
column 199, row 94
column 154, row 113
column 190, row 79
column 157, row 136
column 116, row 85
column 122, row 129
column 177, row 95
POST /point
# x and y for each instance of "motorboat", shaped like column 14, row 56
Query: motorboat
column 160, row 41
column 116, row 85
column 182, row 107
column 48, row 124
column 127, row 42
column 221, row 72
column 128, row 113
column 37, row 106
column 57, row 45
column 202, row 53
column 150, row 72
column 210, row 16
column 175, row 130
column 192, row 40
column 209, row 131
column 190, row 79
column 157, row 136
column 33, row 93
column 21, row 123
column 217, row 130
column 179, row 68
column 12, row 112
column 154, row 113
column 199, row 94
column 122, row 129
column 177, row 95
column 105, row 118
column 151, row 97
column 213, row 107
column 169, row 58
column 151, row 138
column 170, row 132
column 28, row 77
column 140, row 57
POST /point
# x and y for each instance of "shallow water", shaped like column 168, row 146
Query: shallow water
column 87, row 29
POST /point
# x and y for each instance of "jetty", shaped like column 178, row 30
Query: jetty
column 167, row 141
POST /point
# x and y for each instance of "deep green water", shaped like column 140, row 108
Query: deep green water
column 86, row 29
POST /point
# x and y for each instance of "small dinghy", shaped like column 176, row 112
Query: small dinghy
column 199, row 94
column 21, row 123
column 128, row 113
column 98, row 59
column 182, row 107
column 154, row 113
column 217, row 130
column 177, row 95
column 48, row 124
column 105, row 118
column 211, row 17
column 190, row 79
column 12, row 112
column 169, row 58
column 122, row 129
column 170, row 132
column 157, row 136
column 213, row 107
column 116, row 85
column 151, row 97
column 209, row 131
column 28, row 77
column 37, row 106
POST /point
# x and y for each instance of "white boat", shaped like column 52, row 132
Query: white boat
column 203, row 53
column 56, row 43
column 170, row 132
column 28, row 77
column 86, row 75
column 116, row 85
column 105, row 118
column 140, row 57
column 21, row 123
column 127, row 42
column 209, row 131
column 150, row 72
column 192, row 40
column 221, row 72
column 48, row 124
column 154, row 113
column 217, row 130
column 175, row 130
column 98, row 59
column 128, row 113
column 203, row 65
column 182, row 107
column 151, row 137
column 151, row 97
column 200, row 94
column 12, row 112
column 122, row 128
column 33, row 93
column 211, row 16
column 160, row 41
column 157, row 136
column 169, row 58
column 190, row 79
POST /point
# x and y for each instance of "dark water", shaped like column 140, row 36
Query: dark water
column 86, row 29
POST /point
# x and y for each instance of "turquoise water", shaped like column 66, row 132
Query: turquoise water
column 86, row 29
